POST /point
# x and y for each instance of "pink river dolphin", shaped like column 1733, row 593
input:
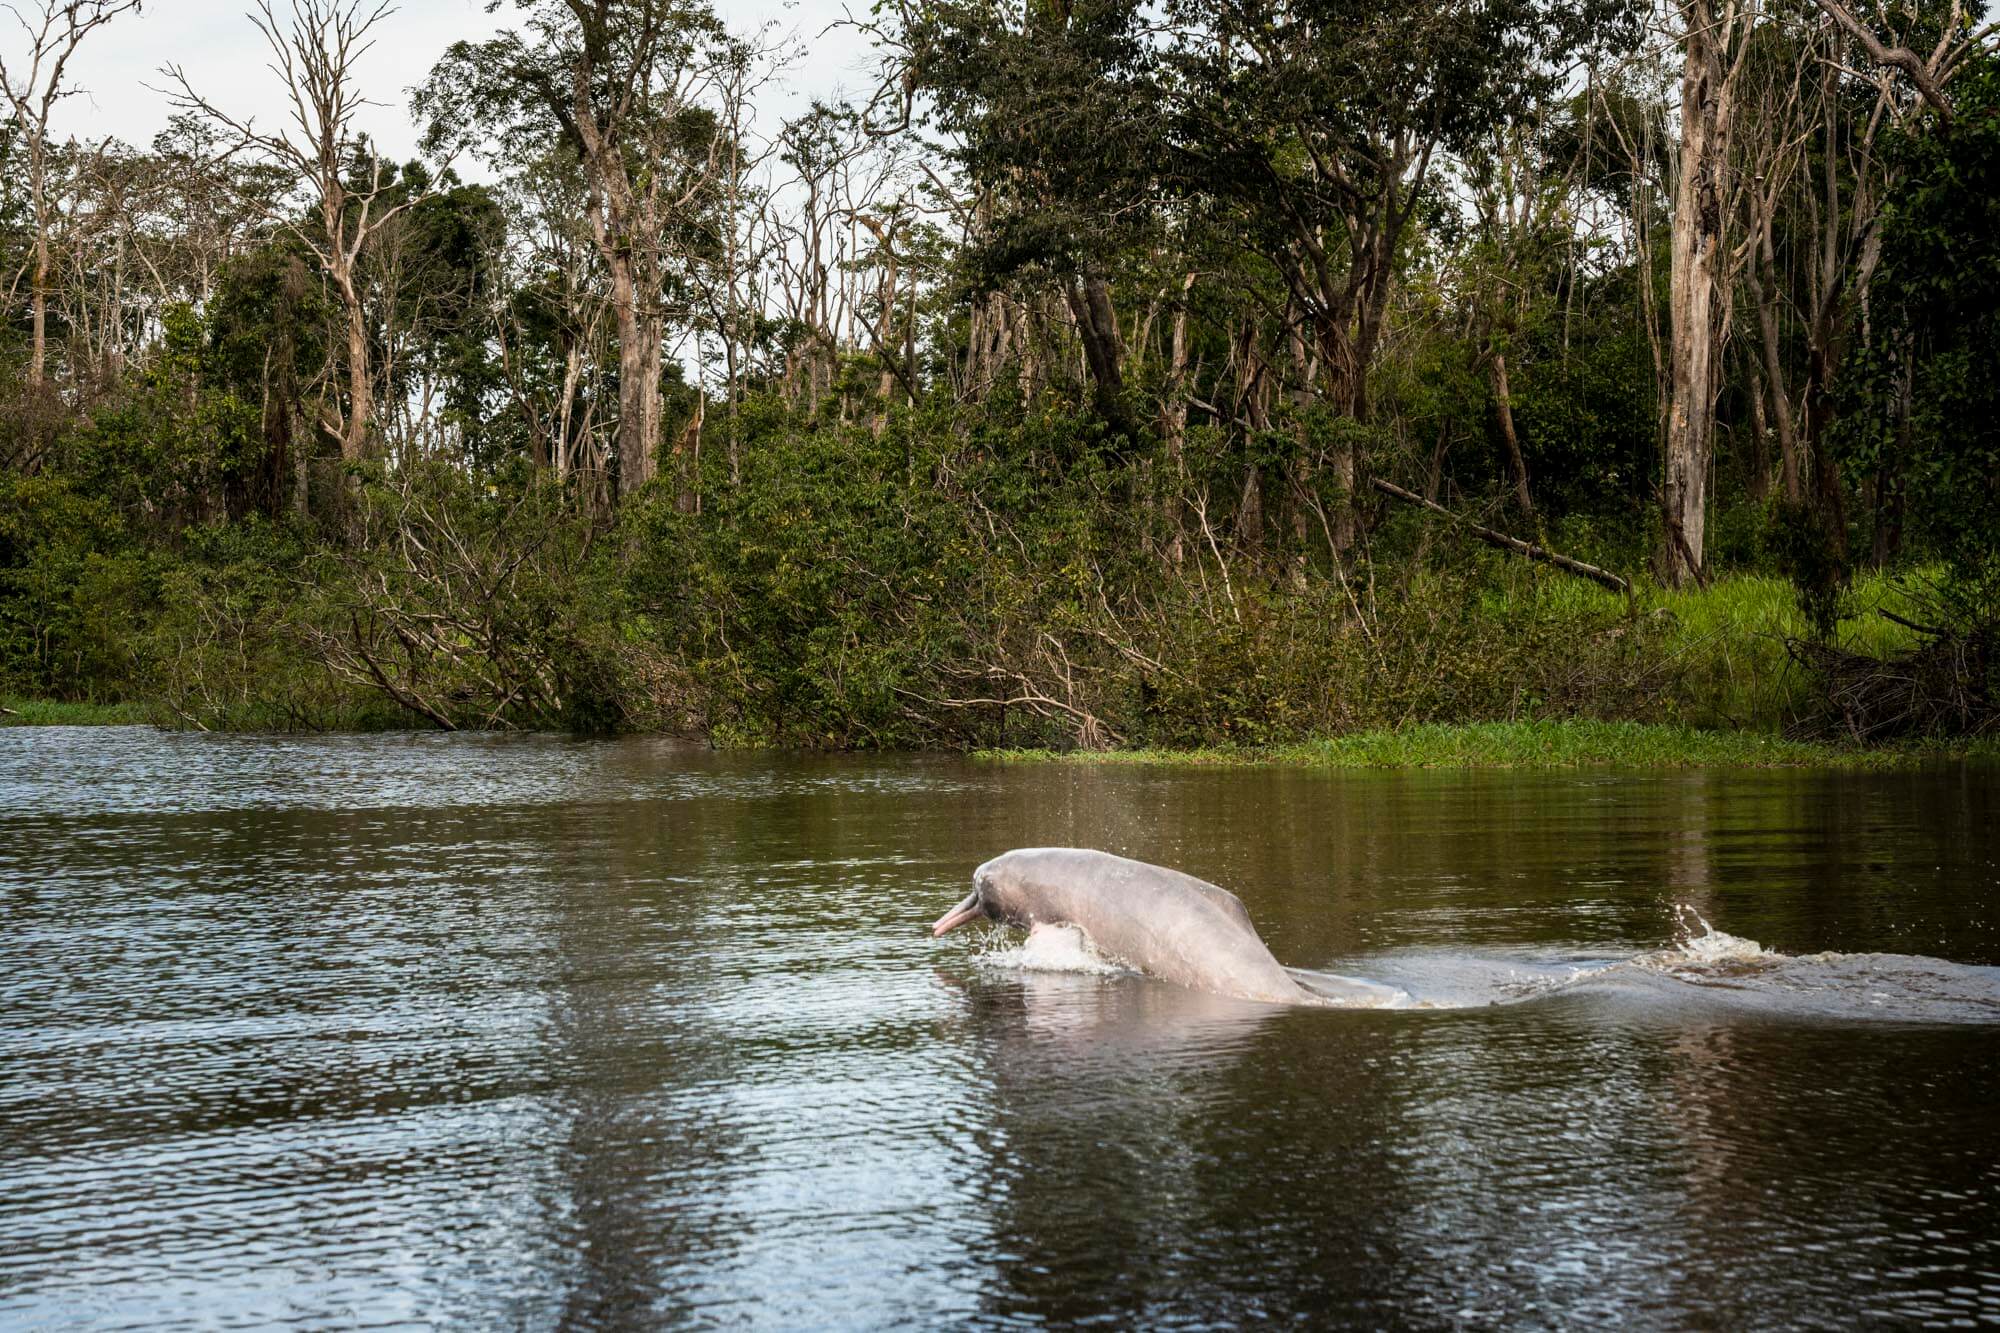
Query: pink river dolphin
column 1158, row 921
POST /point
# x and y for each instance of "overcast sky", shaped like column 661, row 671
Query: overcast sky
column 225, row 59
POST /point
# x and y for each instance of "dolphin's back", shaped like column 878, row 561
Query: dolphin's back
column 1216, row 894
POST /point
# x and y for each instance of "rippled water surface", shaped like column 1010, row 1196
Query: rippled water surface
column 537, row 1032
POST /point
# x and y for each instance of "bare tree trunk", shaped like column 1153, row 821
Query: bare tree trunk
column 687, row 456
column 638, row 392
column 1759, row 480
column 1250, row 511
column 1097, row 326
column 1173, row 418
column 1338, row 366
column 885, row 318
column 1503, row 403
column 910, row 338
column 1003, row 342
column 1699, row 296
column 1838, row 290
column 1492, row 537
column 301, row 475
column 314, row 53
column 354, row 438
column 1889, row 486
column 33, row 83
column 39, row 301
column 885, row 386
column 1763, row 295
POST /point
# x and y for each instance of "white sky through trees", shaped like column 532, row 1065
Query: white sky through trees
column 225, row 58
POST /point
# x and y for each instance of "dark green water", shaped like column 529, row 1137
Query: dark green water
column 535, row 1033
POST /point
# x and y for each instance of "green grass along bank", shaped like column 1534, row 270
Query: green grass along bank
column 54, row 713
column 1543, row 744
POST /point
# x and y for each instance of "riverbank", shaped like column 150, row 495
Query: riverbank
column 1526, row 745
column 848, row 633
column 799, row 609
column 1552, row 744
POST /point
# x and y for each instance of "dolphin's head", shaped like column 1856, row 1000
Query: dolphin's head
column 996, row 895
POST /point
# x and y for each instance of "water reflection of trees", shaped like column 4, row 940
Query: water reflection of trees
column 756, row 1122
column 1139, row 1151
column 1157, row 1155
column 634, row 1199
column 1815, row 1182
column 669, row 1043
column 1336, row 864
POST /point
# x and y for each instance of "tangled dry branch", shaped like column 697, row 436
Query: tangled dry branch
column 1944, row 687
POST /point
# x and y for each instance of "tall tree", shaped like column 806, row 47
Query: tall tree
column 1714, row 43
column 1054, row 112
column 33, row 88
column 1931, row 361
column 314, row 53
column 1520, row 222
column 1312, row 126
column 624, row 86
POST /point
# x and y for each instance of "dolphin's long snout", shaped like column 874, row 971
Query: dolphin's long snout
column 957, row 916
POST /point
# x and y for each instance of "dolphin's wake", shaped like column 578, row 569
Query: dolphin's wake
column 1709, row 968
column 1704, row 967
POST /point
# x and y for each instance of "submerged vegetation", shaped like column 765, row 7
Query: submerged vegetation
column 1294, row 379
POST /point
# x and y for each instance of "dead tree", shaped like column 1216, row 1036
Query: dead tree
column 1714, row 45
column 314, row 54
column 33, row 88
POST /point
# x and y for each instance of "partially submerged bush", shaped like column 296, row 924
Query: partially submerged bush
column 221, row 651
column 468, row 608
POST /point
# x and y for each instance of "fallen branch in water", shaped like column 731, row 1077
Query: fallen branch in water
column 1603, row 577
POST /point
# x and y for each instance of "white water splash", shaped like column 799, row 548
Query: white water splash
column 1047, row 949
column 1065, row 948
column 1713, row 946
column 1834, row 985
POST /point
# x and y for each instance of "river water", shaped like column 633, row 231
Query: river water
column 532, row 1032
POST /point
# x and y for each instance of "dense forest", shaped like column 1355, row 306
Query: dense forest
column 1177, row 372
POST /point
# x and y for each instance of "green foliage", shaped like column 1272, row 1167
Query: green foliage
column 1058, row 113
column 1587, row 418
column 18, row 712
column 855, row 590
column 1938, row 288
column 916, row 587
column 175, row 442
column 1203, row 270
column 220, row 650
column 1805, row 551
column 69, row 579
column 467, row 605
column 438, row 272
column 804, row 597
